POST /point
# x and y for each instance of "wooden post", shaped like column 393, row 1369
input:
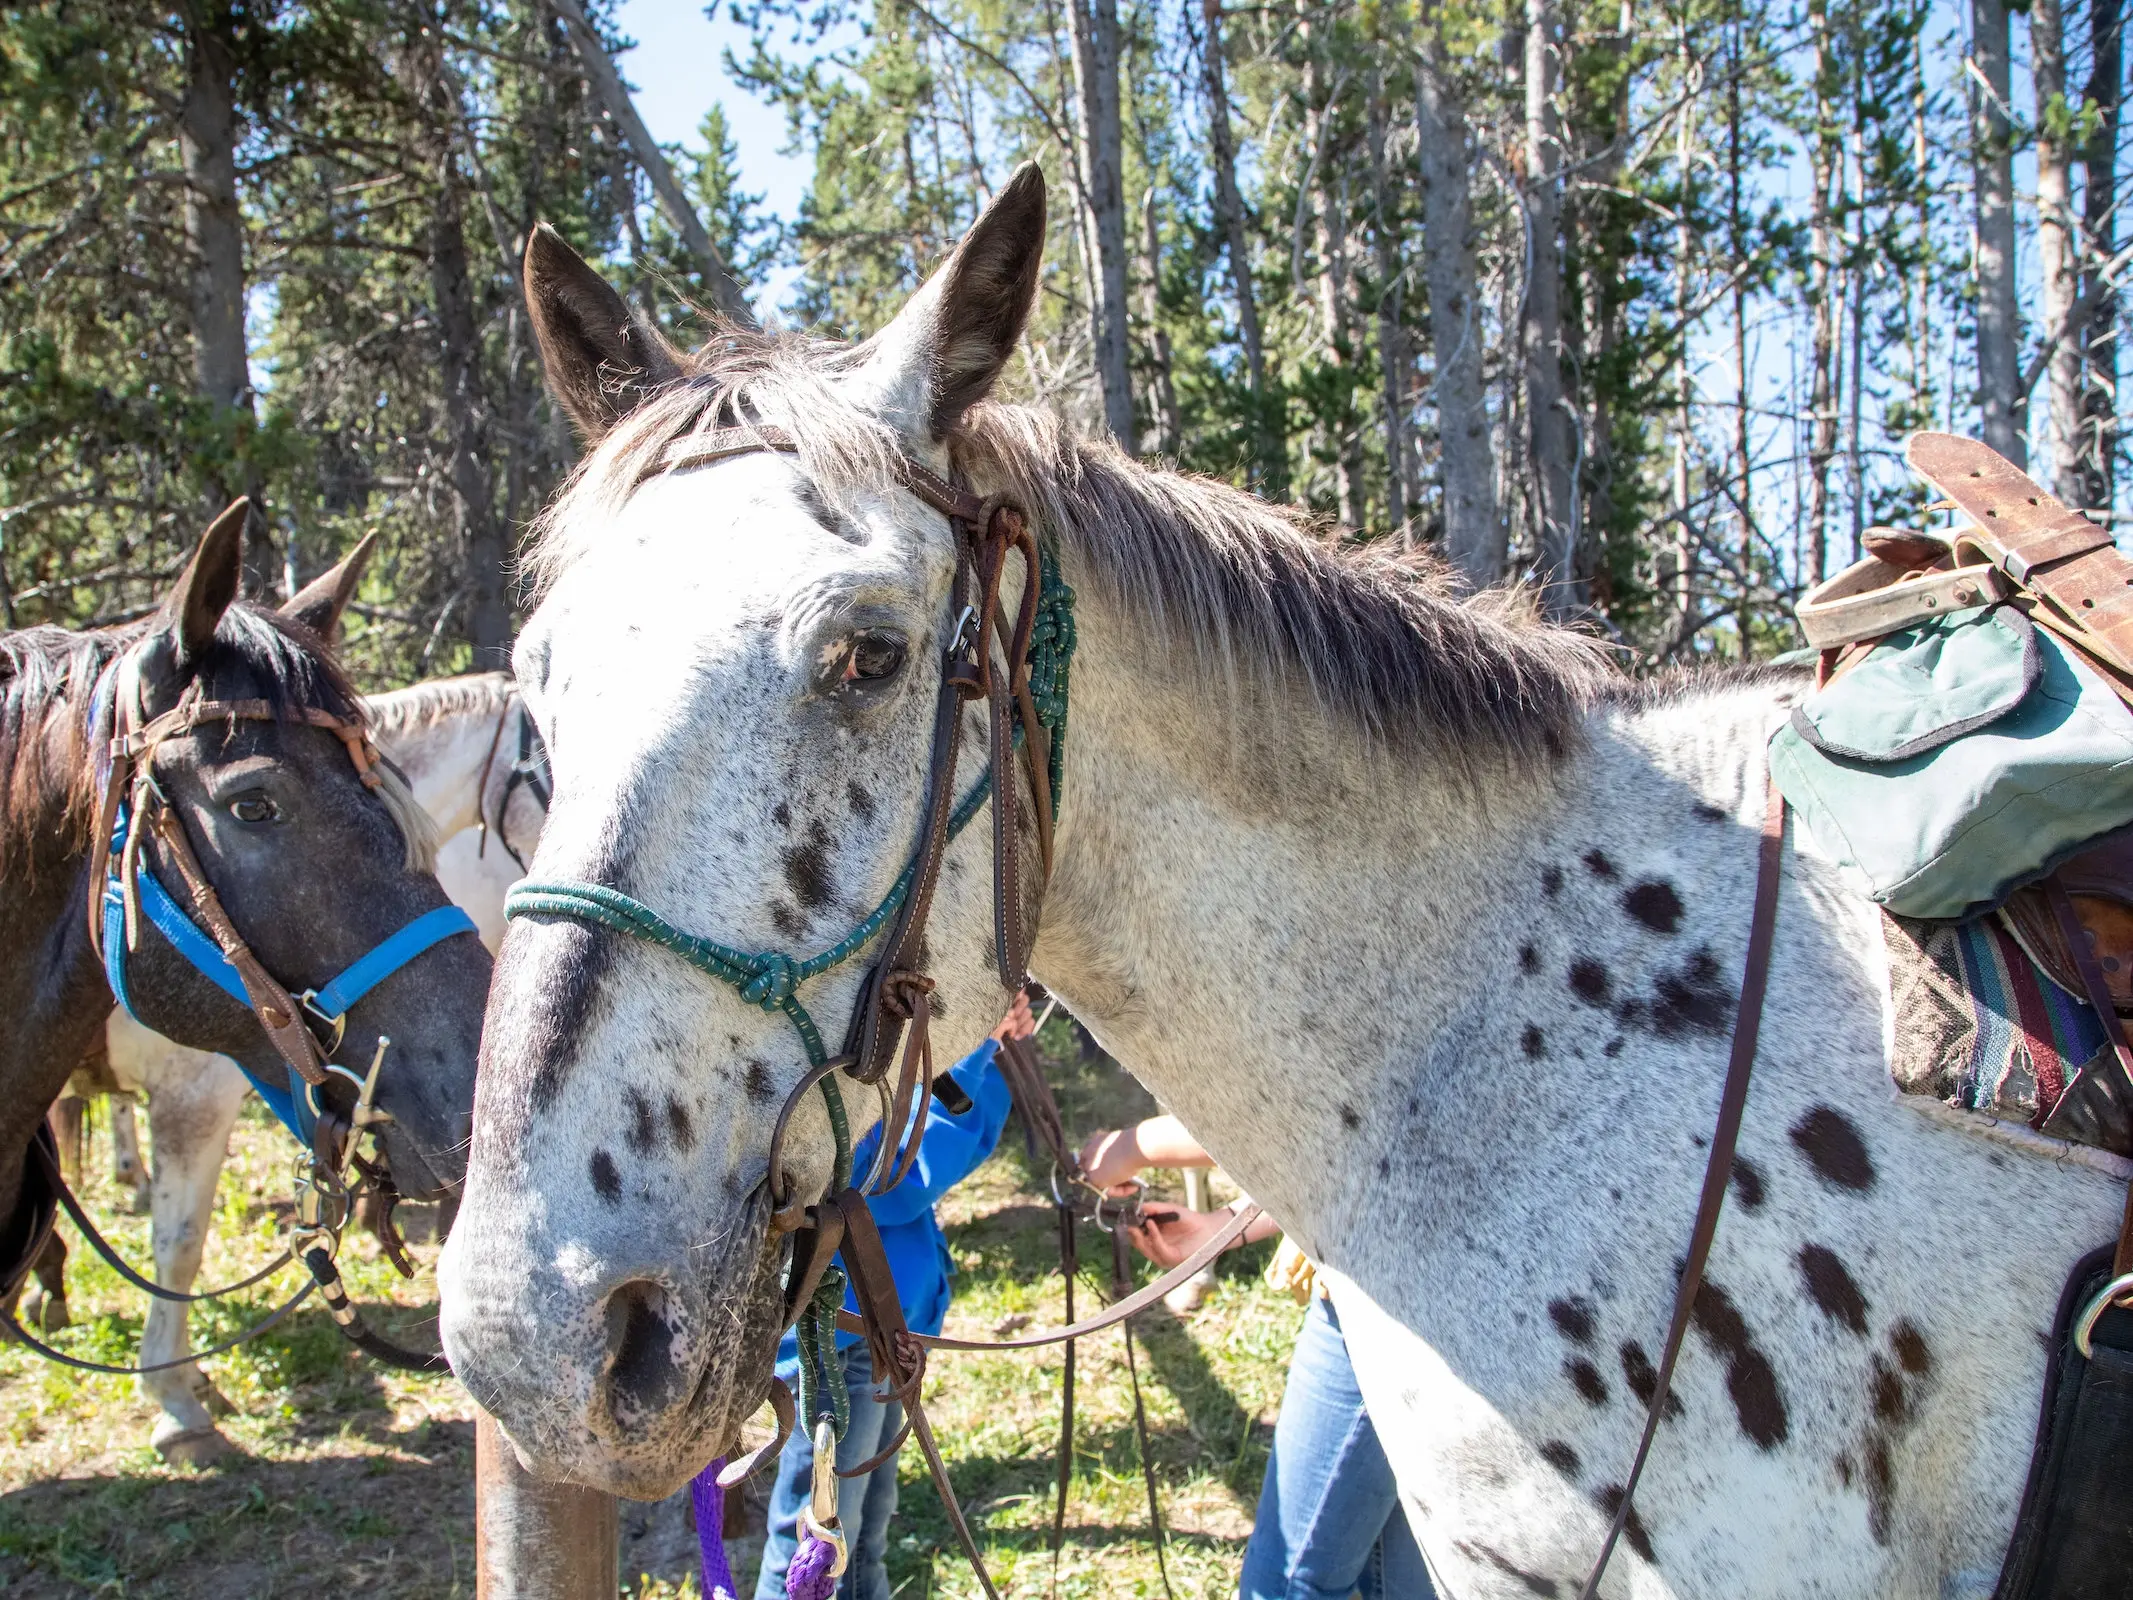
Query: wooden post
column 535, row 1540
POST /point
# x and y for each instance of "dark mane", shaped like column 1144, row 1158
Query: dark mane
column 48, row 678
column 1254, row 592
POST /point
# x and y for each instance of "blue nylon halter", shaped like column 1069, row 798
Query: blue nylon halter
column 332, row 1001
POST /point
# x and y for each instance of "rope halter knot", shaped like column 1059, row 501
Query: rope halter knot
column 775, row 978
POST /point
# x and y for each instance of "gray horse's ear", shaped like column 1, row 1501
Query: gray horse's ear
column 986, row 292
column 208, row 584
column 943, row 352
column 601, row 362
column 319, row 604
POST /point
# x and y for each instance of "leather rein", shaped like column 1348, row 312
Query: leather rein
column 1017, row 666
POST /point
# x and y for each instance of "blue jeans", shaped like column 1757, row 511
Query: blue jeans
column 864, row 1505
column 1329, row 1522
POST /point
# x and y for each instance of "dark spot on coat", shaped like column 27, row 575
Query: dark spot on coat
column 1704, row 811
column 561, row 1005
column 758, row 1084
column 1589, row 982
column 1910, row 1347
column 1834, row 1149
column 1655, row 904
column 1609, row 1499
column 1534, row 1583
column 1748, row 1183
column 1384, row 1166
column 786, row 920
column 1613, row 1047
column 807, row 867
column 1532, row 1043
column 1551, row 881
column 1599, row 866
column 1643, row 1378
column 1880, row 1488
column 1573, row 1318
column 1885, row 1391
column 1845, row 1469
column 859, row 801
column 1561, row 1457
column 643, row 1135
column 1529, row 960
column 782, row 815
column 1832, row 1288
column 1691, row 999
column 607, row 1182
column 1750, row 1379
column 1351, row 1119
column 1585, row 1378
column 679, row 1126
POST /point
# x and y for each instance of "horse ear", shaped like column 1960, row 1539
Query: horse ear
column 601, row 362
column 209, row 583
column 319, row 604
column 946, row 348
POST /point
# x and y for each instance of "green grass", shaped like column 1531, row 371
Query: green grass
column 359, row 1480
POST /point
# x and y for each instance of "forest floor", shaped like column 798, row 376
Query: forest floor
column 353, row 1479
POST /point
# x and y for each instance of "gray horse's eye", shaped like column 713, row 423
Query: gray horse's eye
column 255, row 808
column 873, row 657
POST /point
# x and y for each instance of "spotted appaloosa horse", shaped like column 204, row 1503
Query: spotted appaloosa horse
column 455, row 740
column 1429, row 925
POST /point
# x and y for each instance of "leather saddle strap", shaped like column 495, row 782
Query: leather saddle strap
column 278, row 1014
column 898, row 1354
column 1118, row 1311
column 2099, row 997
column 2047, row 548
column 1718, row 1170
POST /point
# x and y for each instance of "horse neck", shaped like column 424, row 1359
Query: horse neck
column 1286, row 939
column 444, row 760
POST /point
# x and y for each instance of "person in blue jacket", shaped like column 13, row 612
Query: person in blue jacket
column 953, row 1145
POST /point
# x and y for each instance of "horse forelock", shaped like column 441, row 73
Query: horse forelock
column 1258, row 596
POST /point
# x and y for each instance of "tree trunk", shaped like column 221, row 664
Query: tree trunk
column 2095, row 481
column 2057, row 250
column 1333, row 299
column 1095, row 40
column 725, row 290
column 1684, row 553
column 1826, row 160
column 1272, row 466
column 1474, row 534
column 1392, row 332
column 1551, row 424
column 1169, row 429
column 214, row 237
column 1999, row 371
column 466, row 403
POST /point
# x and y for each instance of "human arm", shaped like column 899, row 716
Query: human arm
column 1167, row 1238
column 1115, row 1155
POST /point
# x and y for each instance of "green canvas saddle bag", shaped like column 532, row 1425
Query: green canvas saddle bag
column 1959, row 758
column 1970, row 726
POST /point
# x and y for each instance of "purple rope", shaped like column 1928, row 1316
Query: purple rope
column 809, row 1577
column 710, row 1503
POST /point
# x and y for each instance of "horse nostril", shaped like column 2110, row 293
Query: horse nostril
column 642, row 1376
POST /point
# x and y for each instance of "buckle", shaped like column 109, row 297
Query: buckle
column 337, row 1023
column 2085, row 1324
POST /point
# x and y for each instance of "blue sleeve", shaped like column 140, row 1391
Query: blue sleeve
column 952, row 1146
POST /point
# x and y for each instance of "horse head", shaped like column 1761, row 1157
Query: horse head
column 317, row 855
column 736, row 664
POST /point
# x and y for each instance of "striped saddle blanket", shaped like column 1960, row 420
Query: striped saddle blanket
column 1981, row 1027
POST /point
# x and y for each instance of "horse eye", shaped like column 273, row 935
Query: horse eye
column 873, row 657
column 255, row 808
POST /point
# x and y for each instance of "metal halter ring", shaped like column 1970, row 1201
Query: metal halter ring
column 338, row 1024
column 2092, row 1313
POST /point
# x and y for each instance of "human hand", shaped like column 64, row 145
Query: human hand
column 1168, row 1237
column 1110, row 1159
column 1018, row 1023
